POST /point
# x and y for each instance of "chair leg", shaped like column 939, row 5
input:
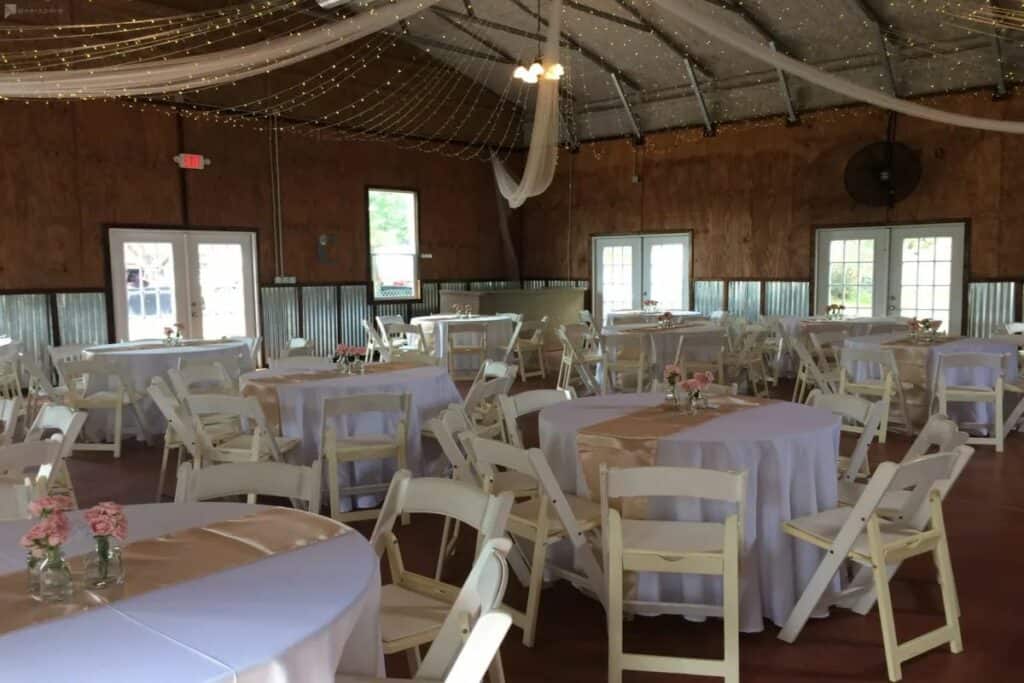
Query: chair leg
column 950, row 601
column 163, row 472
column 332, row 486
column 412, row 657
column 614, row 622
column 540, row 362
column 730, row 605
column 118, row 413
column 536, row 586
column 998, row 424
column 811, row 597
column 443, row 550
column 885, row 616
column 883, row 427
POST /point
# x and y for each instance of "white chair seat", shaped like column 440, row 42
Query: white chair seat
column 892, row 501
column 588, row 514
column 406, row 615
column 953, row 388
column 822, row 529
column 243, row 442
column 651, row 537
column 369, row 442
column 876, row 383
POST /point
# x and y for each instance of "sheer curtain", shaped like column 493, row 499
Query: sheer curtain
column 185, row 73
column 543, row 153
column 696, row 15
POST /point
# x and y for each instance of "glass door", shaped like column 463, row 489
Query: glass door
column 150, row 282
column 667, row 271
column 223, row 303
column 617, row 275
column 907, row 271
column 203, row 281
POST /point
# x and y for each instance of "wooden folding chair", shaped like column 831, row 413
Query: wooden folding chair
column 531, row 341
column 533, row 521
column 874, row 372
column 948, row 391
column 672, row 547
column 866, row 537
column 858, row 416
column 297, row 482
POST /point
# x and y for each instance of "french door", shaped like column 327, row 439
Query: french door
column 203, row 280
column 628, row 270
column 909, row 271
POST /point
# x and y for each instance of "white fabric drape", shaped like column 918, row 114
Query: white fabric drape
column 696, row 15
column 186, row 73
column 543, row 153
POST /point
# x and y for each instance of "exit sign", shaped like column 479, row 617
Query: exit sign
column 191, row 162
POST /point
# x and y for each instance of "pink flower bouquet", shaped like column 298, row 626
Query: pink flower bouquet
column 107, row 519
column 672, row 374
column 52, row 530
column 698, row 383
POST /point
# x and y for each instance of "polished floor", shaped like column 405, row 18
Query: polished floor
column 984, row 514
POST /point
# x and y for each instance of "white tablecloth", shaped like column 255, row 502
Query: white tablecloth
column 979, row 413
column 789, row 452
column 436, row 328
column 703, row 342
column 301, row 405
column 290, row 618
column 852, row 326
column 139, row 363
column 627, row 317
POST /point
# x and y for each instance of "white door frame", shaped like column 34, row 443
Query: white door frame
column 184, row 243
column 888, row 262
column 641, row 256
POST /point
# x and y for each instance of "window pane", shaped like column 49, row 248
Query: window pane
column 393, row 246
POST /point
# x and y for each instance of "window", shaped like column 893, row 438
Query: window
column 394, row 243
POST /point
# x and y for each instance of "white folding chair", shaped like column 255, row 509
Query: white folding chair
column 252, row 348
column 466, row 340
column 880, row 378
column 860, row 417
column 546, row 519
column 513, row 338
column 115, row 395
column 382, row 327
column 633, row 545
column 526, row 403
column 481, row 404
column 40, row 389
column 297, row 482
column 576, row 366
column 748, row 358
column 248, row 446
column 951, row 391
column 64, row 354
column 688, row 347
column 377, row 446
column 405, row 337
column 809, row 375
column 206, row 378
column 414, row 606
column 531, row 341
column 62, row 424
column 374, row 343
column 879, row 544
column 10, row 372
column 827, row 345
column 10, row 418
column 629, row 359
column 25, row 472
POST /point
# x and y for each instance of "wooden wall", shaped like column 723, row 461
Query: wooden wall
column 68, row 168
column 753, row 194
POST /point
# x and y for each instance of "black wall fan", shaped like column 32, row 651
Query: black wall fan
column 883, row 173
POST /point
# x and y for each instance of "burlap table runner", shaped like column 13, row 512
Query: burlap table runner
column 263, row 386
column 175, row 558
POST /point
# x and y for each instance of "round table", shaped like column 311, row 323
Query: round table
column 292, row 617
column 789, row 452
column 436, row 328
column 140, row 362
column 918, row 365
column 703, row 341
column 796, row 325
column 627, row 317
column 297, row 397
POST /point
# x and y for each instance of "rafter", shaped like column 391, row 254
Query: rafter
column 634, row 122
column 668, row 41
column 709, row 126
column 607, row 66
column 774, row 43
column 607, row 16
column 883, row 40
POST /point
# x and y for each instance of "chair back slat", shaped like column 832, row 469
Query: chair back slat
column 262, row 478
column 939, row 433
column 679, row 482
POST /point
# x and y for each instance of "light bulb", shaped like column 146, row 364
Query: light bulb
column 554, row 72
column 536, row 69
column 520, row 73
column 530, row 77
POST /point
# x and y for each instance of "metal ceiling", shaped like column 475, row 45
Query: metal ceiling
column 633, row 69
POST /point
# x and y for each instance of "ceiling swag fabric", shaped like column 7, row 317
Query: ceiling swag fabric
column 543, row 153
column 696, row 15
column 187, row 73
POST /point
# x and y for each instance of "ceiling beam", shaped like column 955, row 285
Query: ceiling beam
column 883, row 40
column 634, row 122
column 997, row 48
column 607, row 16
column 597, row 59
column 667, row 40
column 469, row 8
column 709, row 126
column 762, row 30
column 476, row 36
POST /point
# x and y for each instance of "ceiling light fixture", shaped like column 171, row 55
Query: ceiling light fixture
column 534, row 72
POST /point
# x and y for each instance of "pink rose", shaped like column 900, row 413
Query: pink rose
column 48, row 505
column 101, row 526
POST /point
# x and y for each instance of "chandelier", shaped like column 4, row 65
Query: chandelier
column 536, row 71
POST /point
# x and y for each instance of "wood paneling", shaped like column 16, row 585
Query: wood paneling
column 69, row 168
column 753, row 194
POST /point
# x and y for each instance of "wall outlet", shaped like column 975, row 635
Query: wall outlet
column 284, row 280
column 426, row 256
